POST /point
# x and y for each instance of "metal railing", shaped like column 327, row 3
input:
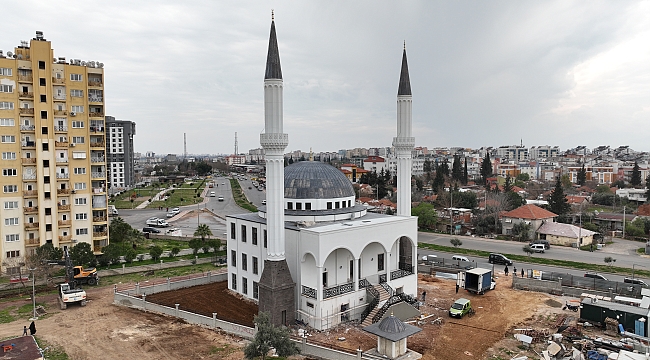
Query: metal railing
column 28, row 144
column 371, row 293
column 30, row 209
column 62, row 175
column 309, row 292
column 60, row 128
column 65, row 222
column 60, row 112
column 95, row 98
column 96, row 114
column 97, row 159
column 97, row 144
column 25, row 78
column 28, row 95
column 59, row 97
column 100, row 233
column 29, row 160
column 63, row 191
column 31, row 225
column 27, row 127
column 99, row 218
column 30, row 192
column 56, row 80
column 97, row 174
column 338, row 290
column 29, row 176
column 61, row 144
column 62, row 160
column 65, row 207
column 382, row 278
column 94, row 82
column 27, row 111
column 65, row 238
column 33, row 242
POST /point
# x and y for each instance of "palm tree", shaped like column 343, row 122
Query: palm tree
column 203, row 231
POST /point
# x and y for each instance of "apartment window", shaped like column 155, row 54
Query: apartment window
column 8, row 139
column 244, row 285
column 6, row 88
column 9, row 172
column 6, row 105
column 6, row 72
column 83, row 231
column 41, row 65
column 336, row 204
column 77, row 124
column 77, row 109
column 289, row 206
column 244, row 262
column 43, row 98
column 42, row 82
column 78, row 155
column 76, row 93
column 46, row 163
column 80, row 201
column 79, row 171
column 8, row 156
column 12, row 237
column 11, row 204
column 255, row 266
column 243, row 233
column 233, row 234
column 380, row 262
column 329, row 205
column 7, row 122
column 233, row 258
column 80, row 186
column 10, row 188
column 46, row 147
column 44, row 130
column 44, row 114
column 307, row 206
column 47, row 195
column 265, row 245
column 234, row 281
column 298, row 206
column 256, row 290
column 254, row 236
column 46, row 179
column 78, row 139
column 11, row 221
column 13, row 253
column 76, row 77
column 81, row 216
column 48, row 211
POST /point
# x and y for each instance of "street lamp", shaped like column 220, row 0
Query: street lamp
column 633, row 265
column 34, row 293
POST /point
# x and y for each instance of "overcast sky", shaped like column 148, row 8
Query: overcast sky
column 483, row 73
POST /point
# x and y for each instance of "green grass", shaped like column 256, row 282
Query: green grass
column 174, row 200
column 640, row 251
column 164, row 258
column 541, row 261
column 122, row 201
column 240, row 198
column 53, row 352
column 6, row 315
column 138, row 277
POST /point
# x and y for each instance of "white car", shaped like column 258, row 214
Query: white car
column 213, row 194
column 220, row 198
column 173, row 212
column 263, row 202
column 459, row 258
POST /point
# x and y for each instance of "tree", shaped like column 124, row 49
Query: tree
column 457, row 169
column 426, row 214
column 419, row 184
column 557, row 201
column 438, row 181
column 609, row 261
column 647, row 185
column 129, row 255
column 427, row 167
column 47, row 252
column 215, row 244
column 486, row 168
column 582, row 176
column 635, row 179
column 112, row 253
column 203, row 168
column 528, row 250
column 82, row 254
column 155, row 252
column 523, row 177
column 203, row 231
column 270, row 336
column 174, row 251
column 456, row 242
column 507, row 186
column 521, row 231
column 122, row 232
column 195, row 244
column 514, row 200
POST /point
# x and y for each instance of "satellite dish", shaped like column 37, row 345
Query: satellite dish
column 101, row 65
column 83, row 63
column 92, row 64
column 20, row 56
column 10, row 54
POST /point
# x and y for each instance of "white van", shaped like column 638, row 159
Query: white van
column 459, row 258
column 538, row 248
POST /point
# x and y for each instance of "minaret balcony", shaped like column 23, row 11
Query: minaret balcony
column 274, row 141
column 404, row 142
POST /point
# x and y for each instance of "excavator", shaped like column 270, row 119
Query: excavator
column 70, row 292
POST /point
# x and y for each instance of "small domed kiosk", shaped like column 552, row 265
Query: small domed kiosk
column 391, row 337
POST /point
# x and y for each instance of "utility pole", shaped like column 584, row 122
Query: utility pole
column 451, row 211
column 623, row 220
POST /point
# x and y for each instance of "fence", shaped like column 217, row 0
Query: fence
column 179, row 282
column 566, row 288
column 618, row 288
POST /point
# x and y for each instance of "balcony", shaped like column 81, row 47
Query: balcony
column 30, row 193
column 97, row 144
column 403, row 271
column 28, row 161
column 29, row 177
column 309, row 292
column 28, row 144
column 60, row 128
column 96, row 114
column 61, row 160
column 62, row 175
column 96, row 129
column 338, row 290
column 99, row 218
column 61, row 144
column 27, row 111
column 29, row 210
column 63, row 192
column 25, row 78
column 96, row 99
column 65, row 238
column 94, row 159
column 98, row 175
column 95, row 82
column 65, row 223
column 59, row 97
column 32, row 225
column 100, row 234
column 32, row 242
column 27, row 128
column 56, row 80
column 65, row 207
column 61, row 112
column 99, row 190
column 25, row 95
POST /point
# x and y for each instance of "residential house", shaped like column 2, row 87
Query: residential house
column 530, row 214
column 565, row 234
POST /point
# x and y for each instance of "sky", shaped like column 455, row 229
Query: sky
column 483, row 73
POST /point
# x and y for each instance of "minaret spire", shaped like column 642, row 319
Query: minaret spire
column 273, row 68
column 404, row 82
column 404, row 142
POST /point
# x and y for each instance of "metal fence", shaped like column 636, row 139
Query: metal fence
column 618, row 288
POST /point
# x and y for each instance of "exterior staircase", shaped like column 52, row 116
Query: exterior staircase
column 383, row 296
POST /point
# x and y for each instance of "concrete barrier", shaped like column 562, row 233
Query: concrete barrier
column 551, row 287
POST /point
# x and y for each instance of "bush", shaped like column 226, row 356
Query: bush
column 174, row 251
column 155, row 252
column 141, row 257
column 456, row 242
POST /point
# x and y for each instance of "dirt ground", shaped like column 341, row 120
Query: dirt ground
column 103, row 330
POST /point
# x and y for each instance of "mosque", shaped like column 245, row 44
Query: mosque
column 312, row 254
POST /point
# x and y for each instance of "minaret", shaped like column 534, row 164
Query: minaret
column 404, row 142
column 276, row 287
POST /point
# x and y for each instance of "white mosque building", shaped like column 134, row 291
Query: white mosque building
column 312, row 253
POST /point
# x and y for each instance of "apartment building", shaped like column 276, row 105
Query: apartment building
column 119, row 151
column 53, row 165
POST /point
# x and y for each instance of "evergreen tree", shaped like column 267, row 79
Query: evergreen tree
column 427, row 167
column 647, row 192
column 635, row 180
column 456, row 169
column 486, row 168
column 507, row 187
column 557, row 201
column 465, row 177
column 438, row 182
column 444, row 167
column 582, row 175
column 270, row 336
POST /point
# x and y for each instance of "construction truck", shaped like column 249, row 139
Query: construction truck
column 476, row 281
column 70, row 292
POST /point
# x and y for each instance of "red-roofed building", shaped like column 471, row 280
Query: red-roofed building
column 352, row 172
column 375, row 163
column 533, row 215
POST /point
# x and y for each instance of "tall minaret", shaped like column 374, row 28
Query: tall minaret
column 276, row 287
column 404, row 142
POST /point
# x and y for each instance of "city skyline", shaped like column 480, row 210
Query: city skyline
column 482, row 74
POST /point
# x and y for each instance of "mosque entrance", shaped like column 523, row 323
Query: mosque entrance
column 405, row 254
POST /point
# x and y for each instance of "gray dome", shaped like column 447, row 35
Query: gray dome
column 391, row 324
column 315, row 180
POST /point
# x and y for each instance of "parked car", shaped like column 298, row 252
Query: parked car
column 173, row 212
column 150, row 230
column 220, row 198
column 595, row 276
column 263, row 202
column 547, row 245
column 460, row 307
column 499, row 259
column 538, row 248
column 154, row 221
column 459, row 258
column 636, row 281
column 213, row 194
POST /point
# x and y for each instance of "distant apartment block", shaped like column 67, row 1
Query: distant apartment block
column 119, row 151
column 514, row 152
column 543, row 152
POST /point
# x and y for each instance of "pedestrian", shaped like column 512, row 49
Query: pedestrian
column 32, row 328
column 25, row 330
column 514, row 271
column 457, row 288
column 167, row 209
column 506, row 270
column 522, row 272
column 424, row 296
